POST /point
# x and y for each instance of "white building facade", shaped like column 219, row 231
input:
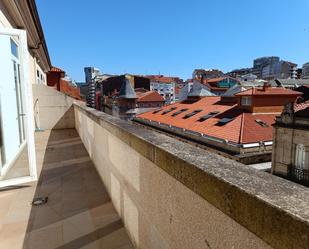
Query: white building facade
column 166, row 90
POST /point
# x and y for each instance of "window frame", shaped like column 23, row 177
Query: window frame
column 246, row 101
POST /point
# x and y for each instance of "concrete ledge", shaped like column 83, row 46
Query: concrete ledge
column 275, row 210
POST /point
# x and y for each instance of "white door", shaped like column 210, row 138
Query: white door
column 16, row 122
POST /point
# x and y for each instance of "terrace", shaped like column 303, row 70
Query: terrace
column 113, row 184
column 79, row 212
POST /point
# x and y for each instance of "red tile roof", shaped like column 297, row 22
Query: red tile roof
column 268, row 91
column 56, row 69
column 303, row 113
column 215, row 80
column 163, row 79
column 301, row 106
column 242, row 129
column 151, row 96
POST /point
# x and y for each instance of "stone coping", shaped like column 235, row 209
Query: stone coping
column 274, row 209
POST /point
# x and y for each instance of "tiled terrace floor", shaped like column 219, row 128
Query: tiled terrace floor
column 79, row 213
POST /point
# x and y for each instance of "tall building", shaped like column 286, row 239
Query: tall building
column 90, row 74
column 305, row 71
column 264, row 66
column 280, row 70
column 272, row 67
column 261, row 62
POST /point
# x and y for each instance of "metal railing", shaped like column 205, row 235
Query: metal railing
column 299, row 175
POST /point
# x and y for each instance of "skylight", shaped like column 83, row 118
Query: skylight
column 180, row 111
column 156, row 111
column 224, row 121
column 192, row 114
column 261, row 123
column 169, row 110
column 209, row 115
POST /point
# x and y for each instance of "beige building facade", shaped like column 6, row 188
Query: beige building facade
column 291, row 145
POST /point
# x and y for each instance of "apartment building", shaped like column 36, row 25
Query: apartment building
column 165, row 86
column 272, row 67
column 207, row 74
column 24, row 62
column 305, row 71
column 238, row 73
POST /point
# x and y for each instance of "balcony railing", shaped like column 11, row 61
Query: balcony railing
column 299, row 175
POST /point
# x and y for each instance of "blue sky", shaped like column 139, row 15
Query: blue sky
column 172, row 37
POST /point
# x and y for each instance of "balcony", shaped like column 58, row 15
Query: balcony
column 79, row 212
column 113, row 184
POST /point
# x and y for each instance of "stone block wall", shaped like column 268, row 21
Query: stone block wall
column 173, row 195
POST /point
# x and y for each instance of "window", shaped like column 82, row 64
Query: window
column 300, row 156
column 14, row 48
column 246, row 101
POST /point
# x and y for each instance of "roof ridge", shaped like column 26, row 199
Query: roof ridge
column 241, row 127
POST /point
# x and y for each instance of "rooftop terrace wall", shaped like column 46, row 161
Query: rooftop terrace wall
column 171, row 194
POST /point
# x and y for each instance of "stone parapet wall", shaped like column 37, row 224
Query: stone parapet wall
column 171, row 194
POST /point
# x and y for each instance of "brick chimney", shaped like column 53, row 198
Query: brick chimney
column 266, row 86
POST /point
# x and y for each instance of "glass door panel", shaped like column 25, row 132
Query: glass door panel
column 17, row 153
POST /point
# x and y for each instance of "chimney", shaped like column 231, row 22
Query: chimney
column 266, row 86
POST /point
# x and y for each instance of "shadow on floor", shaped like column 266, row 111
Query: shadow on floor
column 79, row 213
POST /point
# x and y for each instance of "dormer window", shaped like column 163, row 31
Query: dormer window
column 246, row 101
